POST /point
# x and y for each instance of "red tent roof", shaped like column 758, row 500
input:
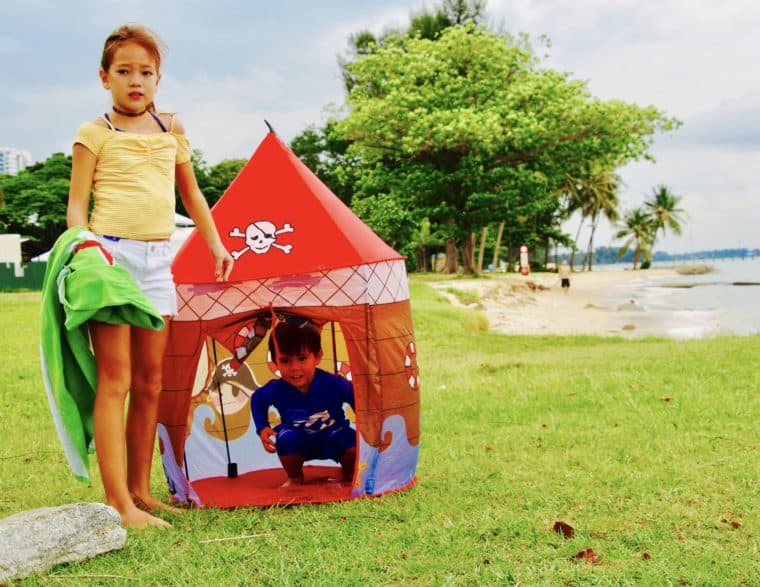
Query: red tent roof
column 279, row 219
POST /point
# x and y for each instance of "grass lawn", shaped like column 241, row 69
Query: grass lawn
column 647, row 448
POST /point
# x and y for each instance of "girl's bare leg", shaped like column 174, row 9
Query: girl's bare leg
column 111, row 346
column 147, row 348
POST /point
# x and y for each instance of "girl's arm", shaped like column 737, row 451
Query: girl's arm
column 82, row 170
column 197, row 207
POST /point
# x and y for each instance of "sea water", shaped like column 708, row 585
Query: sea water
column 694, row 306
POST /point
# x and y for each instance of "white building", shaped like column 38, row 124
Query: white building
column 13, row 160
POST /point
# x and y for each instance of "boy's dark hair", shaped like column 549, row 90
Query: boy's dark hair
column 293, row 339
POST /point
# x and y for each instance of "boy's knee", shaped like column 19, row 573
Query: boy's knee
column 291, row 442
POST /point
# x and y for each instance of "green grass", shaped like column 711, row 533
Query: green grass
column 645, row 446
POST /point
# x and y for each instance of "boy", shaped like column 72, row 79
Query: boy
column 310, row 402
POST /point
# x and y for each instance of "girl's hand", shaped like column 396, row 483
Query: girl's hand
column 266, row 436
column 222, row 263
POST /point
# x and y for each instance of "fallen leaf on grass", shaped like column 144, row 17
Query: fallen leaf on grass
column 564, row 528
column 734, row 524
column 487, row 448
column 666, row 398
column 646, row 556
column 588, row 555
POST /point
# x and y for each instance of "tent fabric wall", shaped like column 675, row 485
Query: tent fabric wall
column 365, row 301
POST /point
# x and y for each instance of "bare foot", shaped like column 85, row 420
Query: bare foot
column 151, row 504
column 293, row 482
column 135, row 518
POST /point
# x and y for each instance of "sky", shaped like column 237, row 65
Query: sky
column 231, row 64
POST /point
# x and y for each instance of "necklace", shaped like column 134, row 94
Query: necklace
column 130, row 114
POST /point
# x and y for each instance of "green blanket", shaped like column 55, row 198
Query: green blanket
column 82, row 283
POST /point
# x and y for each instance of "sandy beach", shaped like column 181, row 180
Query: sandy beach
column 598, row 302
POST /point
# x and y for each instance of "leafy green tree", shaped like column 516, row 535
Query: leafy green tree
column 461, row 120
column 34, row 202
column 638, row 230
column 424, row 241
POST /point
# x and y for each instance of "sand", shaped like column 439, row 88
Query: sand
column 598, row 302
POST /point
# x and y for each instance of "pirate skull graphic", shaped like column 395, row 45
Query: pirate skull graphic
column 259, row 237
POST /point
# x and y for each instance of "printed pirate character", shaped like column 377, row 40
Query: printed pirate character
column 229, row 394
column 260, row 236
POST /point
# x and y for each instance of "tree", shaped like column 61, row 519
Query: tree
column 596, row 196
column 638, row 229
column 462, row 120
column 34, row 202
column 663, row 210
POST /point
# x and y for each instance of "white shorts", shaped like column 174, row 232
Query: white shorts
column 150, row 265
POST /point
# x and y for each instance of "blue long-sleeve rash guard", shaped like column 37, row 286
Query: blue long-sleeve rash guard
column 318, row 410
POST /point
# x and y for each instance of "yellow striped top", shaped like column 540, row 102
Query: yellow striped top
column 133, row 182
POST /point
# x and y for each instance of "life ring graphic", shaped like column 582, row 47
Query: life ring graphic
column 410, row 366
column 248, row 338
column 343, row 369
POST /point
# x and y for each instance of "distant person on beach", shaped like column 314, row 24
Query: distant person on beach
column 564, row 276
column 310, row 403
column 128, row 160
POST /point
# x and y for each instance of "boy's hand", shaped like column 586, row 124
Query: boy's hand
column 267, row 435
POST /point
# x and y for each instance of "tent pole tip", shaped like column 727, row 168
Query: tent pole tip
column 269, row 126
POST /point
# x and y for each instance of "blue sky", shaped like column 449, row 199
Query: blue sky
column 233, row 63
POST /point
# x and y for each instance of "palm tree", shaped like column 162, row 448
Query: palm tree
column 639, row 229
column 594, row 196
column 663, row 209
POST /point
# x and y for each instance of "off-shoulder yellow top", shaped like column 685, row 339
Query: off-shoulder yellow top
column 133, row 182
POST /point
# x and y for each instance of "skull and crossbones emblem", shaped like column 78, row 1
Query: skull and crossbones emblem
column 259, row 237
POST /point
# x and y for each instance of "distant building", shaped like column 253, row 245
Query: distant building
column 12, row 160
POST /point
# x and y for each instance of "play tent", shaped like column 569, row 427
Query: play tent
column 300, row 254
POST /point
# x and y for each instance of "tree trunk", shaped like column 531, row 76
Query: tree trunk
column 422, row 259
column 590, row 252
column 451, row 255
column 510, row 255
column 499, row 234
column 468, row 254
column 482, row 250
column 575, row 244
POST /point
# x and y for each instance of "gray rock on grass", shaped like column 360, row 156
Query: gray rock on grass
column 33, row 541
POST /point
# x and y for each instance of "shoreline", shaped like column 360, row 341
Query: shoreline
column 598, row 303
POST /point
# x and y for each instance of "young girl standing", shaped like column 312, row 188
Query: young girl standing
column 130, row 158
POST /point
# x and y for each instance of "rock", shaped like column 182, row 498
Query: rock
column 35, row 540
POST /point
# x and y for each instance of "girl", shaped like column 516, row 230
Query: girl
column 130, row 158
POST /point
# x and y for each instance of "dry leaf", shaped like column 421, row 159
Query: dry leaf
column 587, row 555
column 564, row 528
column 665, row 398
column 646, row 556
column 487, row 448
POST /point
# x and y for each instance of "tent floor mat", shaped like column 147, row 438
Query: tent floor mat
column 264, row 488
